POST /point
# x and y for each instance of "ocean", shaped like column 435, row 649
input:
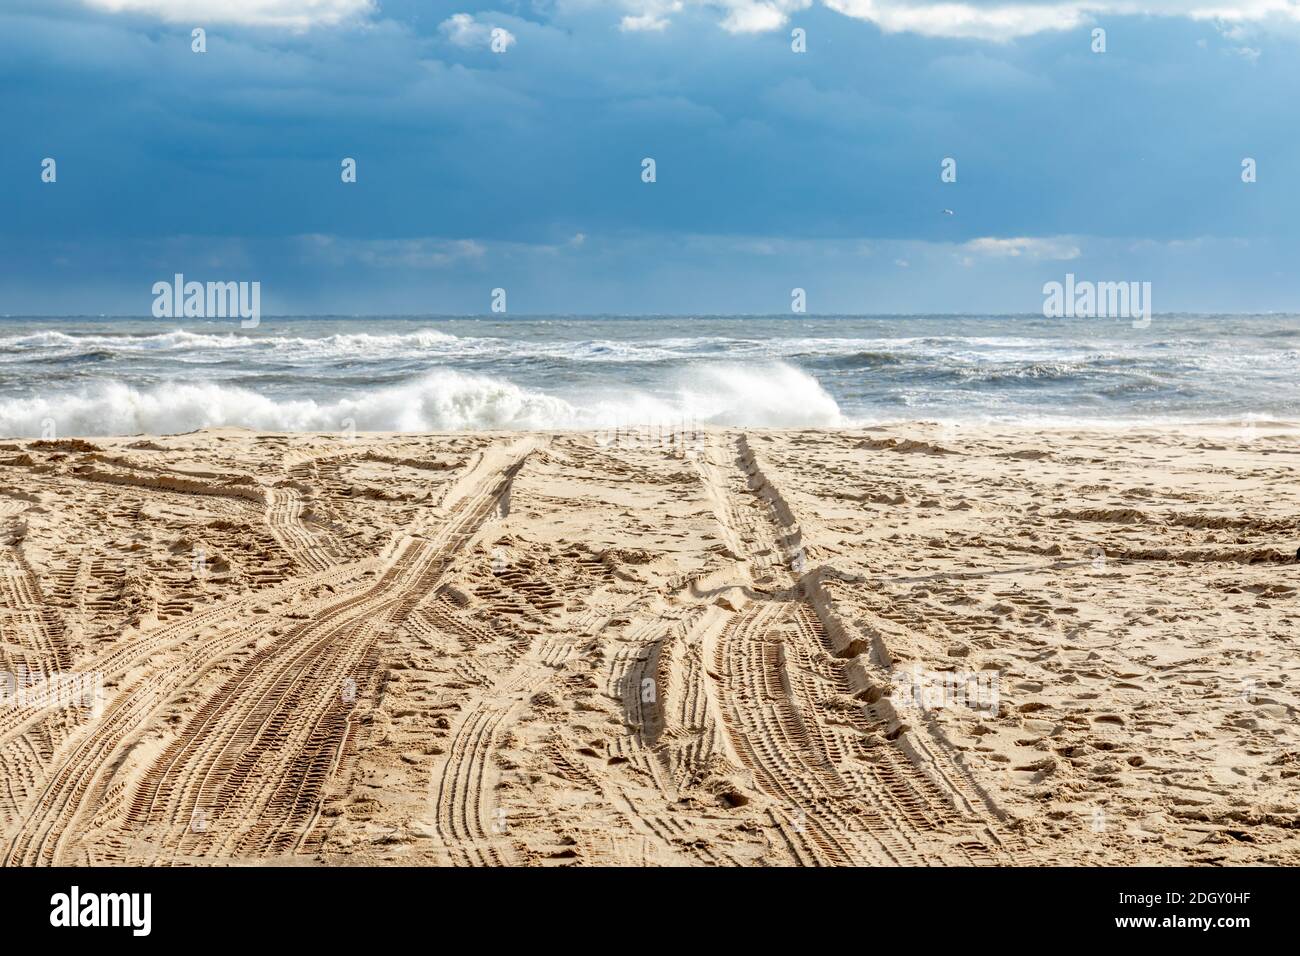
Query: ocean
column 78, row 375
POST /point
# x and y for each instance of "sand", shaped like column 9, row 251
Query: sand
column 914, row 644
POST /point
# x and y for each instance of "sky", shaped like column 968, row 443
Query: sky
column 519, row 164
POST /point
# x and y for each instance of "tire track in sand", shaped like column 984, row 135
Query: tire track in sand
column 256, row 758
column 251, row 763
column 463, row 784
column 844, row 794
column 284, row 517
column 155, row 673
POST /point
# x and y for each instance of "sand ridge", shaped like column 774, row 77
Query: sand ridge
column 655, row 647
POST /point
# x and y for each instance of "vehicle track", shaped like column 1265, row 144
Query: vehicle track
column 672, row 734
column 844, row 794
column 263, row 744
column 254, row 760
column 27, row 625
column 33, row 649
column 205, row 630
column 461, row 791
column 284, row 516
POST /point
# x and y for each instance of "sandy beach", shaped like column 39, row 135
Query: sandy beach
column 903, row 645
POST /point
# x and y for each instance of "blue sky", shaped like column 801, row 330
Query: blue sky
column 522, row 169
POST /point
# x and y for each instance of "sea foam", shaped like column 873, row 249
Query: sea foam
column 773, row 395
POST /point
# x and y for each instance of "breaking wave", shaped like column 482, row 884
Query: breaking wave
column 181, row 340
column 768, row 396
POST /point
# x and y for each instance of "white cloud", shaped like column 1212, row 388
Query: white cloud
column 646, row 21
column 420, row 253
column 996, row 20
column 1005, row 21
column 735, row 16
column 756, row 16
column 1030, row 248
column 294, row 14
column 650, row 15
column 1237, row 33
column 972, row 20
column 463, row 30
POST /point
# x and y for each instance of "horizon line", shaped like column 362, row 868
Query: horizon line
column 627, row 315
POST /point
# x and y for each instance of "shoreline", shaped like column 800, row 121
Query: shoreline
column 967, row 426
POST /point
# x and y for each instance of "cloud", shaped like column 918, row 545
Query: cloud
column 1238, row 33
column 417, row 253
column 647, row 21
column 968, row 20
column 748, row 16
column 621, row 272
column 293, row 14
column 977, row 19
column 463, row 30
column 994, row 20
column 651, row 15
column 1058, row 247
column 734, row 16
